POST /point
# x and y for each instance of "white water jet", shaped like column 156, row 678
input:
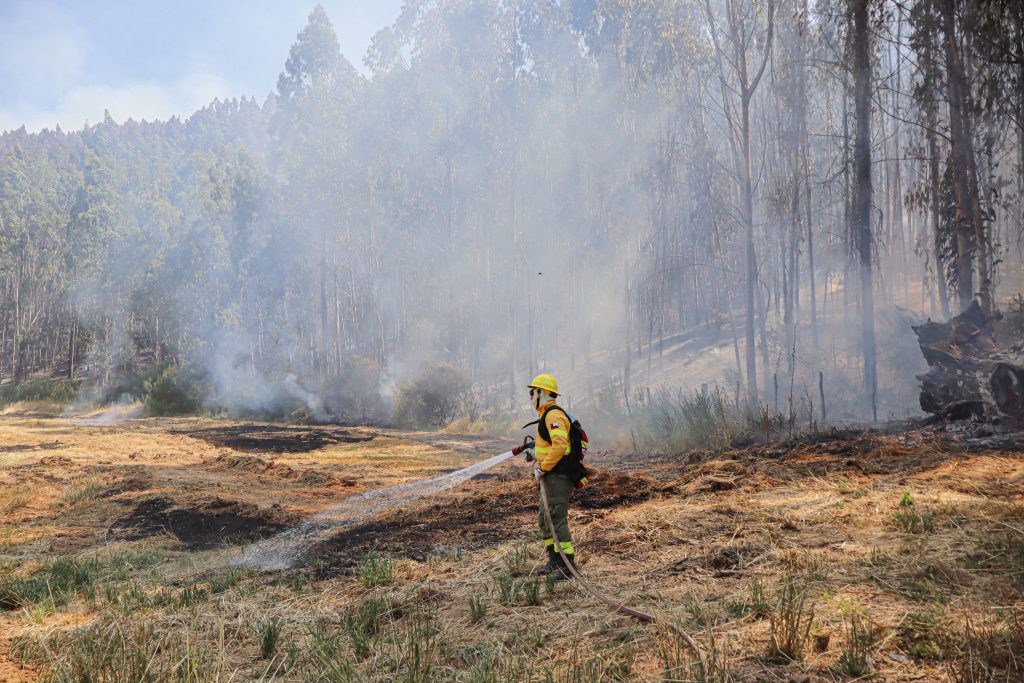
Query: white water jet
column 281, row 551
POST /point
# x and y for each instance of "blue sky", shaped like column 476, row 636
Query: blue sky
column 63, row 61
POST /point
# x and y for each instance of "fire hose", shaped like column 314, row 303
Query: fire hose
column 619, row 607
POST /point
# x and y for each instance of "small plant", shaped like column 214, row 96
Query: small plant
column 126, row 598
column 855, row 660
column 83, row 491
column 329, row 658
column 531, row 590
column 376, row 570
column 516, row 558
column 680, row 663
column 508, row 589
column 984, row 651
column 221, row 583
column 921, row 629
column 297, row 582
column 192, row 594
column 477, row 608
column 110, row 650
column 910, row 520
column 270, row 634
column 754, row 604
column 495, row 664
column 697, row 614
column 292, row 655
column 550, row 583
column 418, row 655
column 365, row 622
column 791, row 620
column 758, row 600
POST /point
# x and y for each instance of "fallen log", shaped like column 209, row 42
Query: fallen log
column 971, row 375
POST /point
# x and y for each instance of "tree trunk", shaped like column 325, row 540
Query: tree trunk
column 965, row 231
column 861, row 213
column 936, row 199
column 749, row 257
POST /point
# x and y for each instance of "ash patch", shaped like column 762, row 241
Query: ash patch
column 209, row 524
column 485, row 513
column 276, row 438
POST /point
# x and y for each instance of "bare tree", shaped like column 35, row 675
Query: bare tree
column 742, row 29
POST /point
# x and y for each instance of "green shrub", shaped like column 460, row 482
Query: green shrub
column 41, row 389
column 431, row 400
column 174, row 391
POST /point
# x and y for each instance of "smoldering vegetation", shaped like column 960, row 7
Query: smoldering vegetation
column 579, row 188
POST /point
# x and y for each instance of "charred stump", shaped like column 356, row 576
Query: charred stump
column 970, row 375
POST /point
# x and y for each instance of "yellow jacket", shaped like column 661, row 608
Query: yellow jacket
column 550, row 452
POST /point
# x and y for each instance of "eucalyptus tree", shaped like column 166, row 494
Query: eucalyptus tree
column 743, row 45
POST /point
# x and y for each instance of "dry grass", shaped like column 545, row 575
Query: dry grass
column 743, row 566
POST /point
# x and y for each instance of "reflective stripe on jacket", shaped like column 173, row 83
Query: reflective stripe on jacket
column 550, row 452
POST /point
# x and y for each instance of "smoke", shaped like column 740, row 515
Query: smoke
column 503, row 194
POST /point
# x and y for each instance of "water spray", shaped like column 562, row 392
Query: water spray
column 282, row 551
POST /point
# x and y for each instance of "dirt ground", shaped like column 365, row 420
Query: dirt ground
column 907, row 544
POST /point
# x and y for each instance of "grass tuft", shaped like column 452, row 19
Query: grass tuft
column 910, row 519
column 477, row 608
column 270, row 634
column 790, row 620
column 376, row 570
column 83, row 491
column 855, row 660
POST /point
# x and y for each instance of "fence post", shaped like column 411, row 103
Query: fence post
column 821, row 394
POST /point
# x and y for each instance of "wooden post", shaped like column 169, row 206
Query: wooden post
column 821, row 394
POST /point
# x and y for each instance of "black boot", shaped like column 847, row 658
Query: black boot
column 554, row 562
column 563, row 573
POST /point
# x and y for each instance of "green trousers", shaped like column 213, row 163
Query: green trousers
column 558, row 488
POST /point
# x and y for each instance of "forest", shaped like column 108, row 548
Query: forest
column 515, row 186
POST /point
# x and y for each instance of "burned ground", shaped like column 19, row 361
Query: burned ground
column 264, row 438
column 482, row 513
column 210, row 524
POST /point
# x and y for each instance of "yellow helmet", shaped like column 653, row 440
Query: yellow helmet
column 546, row 382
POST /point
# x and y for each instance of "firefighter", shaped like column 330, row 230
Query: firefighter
column 559, row 470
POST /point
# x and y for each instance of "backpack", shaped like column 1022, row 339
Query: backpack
column 571, row 464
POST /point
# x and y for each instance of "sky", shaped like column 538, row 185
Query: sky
column 65, row 61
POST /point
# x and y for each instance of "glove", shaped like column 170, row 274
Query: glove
column 538, row 472
column 525, row 447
